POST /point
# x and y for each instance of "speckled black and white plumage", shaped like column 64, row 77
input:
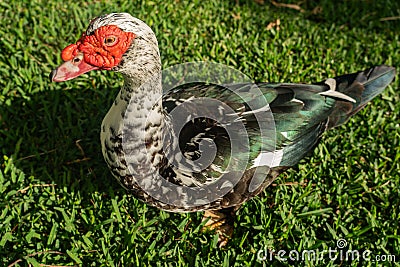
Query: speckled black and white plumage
column 301, row 114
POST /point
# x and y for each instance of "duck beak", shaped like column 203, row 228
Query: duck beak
column 71, row 69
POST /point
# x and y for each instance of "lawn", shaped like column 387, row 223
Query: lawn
column 60, row 206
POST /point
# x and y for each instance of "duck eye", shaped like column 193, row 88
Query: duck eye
column 110, row 40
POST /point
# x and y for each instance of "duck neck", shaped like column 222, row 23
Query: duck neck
column 141, row 69
column 136, row 117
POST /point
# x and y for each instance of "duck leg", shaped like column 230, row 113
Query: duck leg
column 222, row 222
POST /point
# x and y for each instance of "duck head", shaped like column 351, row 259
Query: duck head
column 117, row 42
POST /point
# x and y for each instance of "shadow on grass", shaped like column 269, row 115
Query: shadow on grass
column 372, row 15
column 54, row 136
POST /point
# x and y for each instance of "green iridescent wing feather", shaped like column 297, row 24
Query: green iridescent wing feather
column 301, row 113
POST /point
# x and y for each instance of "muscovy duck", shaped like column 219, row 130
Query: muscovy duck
column 140, row 144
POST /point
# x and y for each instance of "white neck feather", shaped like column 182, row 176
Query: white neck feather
column 138, row 105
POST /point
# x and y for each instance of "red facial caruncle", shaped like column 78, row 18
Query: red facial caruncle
column 103, row 49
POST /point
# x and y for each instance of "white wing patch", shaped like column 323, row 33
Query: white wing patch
column 333, row 93
column 270, row 159
column 262, row 109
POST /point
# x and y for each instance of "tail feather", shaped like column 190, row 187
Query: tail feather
column 362, row 87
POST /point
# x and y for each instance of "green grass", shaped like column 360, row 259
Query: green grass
column 59, row 204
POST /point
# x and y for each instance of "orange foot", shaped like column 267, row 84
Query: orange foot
column 220, row 221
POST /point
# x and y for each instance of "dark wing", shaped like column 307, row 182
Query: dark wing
column 282, row 122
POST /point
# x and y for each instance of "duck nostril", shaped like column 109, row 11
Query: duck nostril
column 76, row 60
